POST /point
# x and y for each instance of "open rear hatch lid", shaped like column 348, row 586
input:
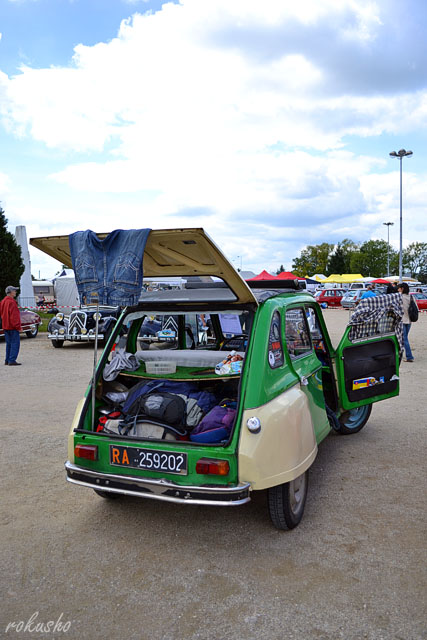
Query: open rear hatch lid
column 169, row 252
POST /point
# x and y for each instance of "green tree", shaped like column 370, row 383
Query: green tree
column 337, row 261
column 11, row 264
column 313, row 259
column 371, row 259
column 414, row 260
column 349, row 247
column 280, row 269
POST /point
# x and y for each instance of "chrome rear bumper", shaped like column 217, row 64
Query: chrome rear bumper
column 160, row 489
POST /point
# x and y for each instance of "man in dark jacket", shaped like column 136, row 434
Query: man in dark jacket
column 11, row 323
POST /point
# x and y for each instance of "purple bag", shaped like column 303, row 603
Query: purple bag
column 215, row 426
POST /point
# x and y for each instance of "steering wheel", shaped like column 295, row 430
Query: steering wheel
column 237, row 343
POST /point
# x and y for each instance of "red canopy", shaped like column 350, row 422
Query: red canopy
column 287, row 275
column 380, row 281
column 264, row 275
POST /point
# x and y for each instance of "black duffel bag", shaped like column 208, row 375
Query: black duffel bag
column 160, row 405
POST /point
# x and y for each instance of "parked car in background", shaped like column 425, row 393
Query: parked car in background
column 351, row 298
column 420, row 299
column 30, row 322
column 330, row 297
column 80, row 325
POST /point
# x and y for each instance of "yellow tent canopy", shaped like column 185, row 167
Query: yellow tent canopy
column 343, row 277
column 317, row 276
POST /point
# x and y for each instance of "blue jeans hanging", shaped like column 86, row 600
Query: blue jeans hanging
column 110, row 270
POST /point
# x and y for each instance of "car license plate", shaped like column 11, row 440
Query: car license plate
column 149, row 459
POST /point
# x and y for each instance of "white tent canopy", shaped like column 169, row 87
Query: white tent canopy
column 66, row 293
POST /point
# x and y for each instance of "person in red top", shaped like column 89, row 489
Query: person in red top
column 11, row 323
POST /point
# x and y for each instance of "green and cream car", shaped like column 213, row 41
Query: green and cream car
column 261, row 354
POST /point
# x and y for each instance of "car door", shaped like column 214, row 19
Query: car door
column 367, row 368
column 307, row 366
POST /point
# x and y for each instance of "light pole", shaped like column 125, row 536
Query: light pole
column 400, row 154
column 388, row 225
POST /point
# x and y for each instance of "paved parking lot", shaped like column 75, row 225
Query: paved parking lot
column 354, row 568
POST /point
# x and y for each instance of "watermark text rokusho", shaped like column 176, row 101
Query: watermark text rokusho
column 32, row 625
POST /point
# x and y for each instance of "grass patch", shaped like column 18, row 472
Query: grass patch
column 45, row 320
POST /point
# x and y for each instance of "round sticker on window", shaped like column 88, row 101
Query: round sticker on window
column 271, row 359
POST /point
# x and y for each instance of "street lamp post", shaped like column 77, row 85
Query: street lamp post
column 388, row 225
column 400, row 154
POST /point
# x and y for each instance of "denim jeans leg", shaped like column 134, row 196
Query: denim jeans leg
column 14, row 345
column 408, row 352
column 8, row 340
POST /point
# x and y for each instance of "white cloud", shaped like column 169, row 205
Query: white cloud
column 229, row 112
column 173, row 79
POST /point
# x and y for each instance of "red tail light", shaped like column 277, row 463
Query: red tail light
column 87, row 451
column 205, row 467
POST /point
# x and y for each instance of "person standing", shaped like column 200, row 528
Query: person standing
column 403, row 288
column 11, row 323
column 369, row 293
column 391, row 288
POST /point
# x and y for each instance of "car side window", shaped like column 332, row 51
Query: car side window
column 275, row 347
column 297, row 334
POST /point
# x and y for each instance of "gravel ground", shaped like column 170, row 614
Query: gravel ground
column 354, row 568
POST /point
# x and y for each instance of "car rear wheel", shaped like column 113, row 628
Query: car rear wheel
column 32, row 332
column 57, row 343
column 286, row 502
column 354, row 420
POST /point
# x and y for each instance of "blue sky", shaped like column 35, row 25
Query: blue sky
column 269, row 124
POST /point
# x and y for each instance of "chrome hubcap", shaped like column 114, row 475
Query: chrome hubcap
column 355, row 417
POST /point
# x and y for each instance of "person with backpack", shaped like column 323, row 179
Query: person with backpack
column 403, row 289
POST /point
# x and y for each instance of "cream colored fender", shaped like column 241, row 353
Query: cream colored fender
column 74, row 426
column 286, row 445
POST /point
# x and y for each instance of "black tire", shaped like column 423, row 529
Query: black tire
column 33, row 332
column 286, row 502
column 107, row 495
column 57, row 343
column 354, row 420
